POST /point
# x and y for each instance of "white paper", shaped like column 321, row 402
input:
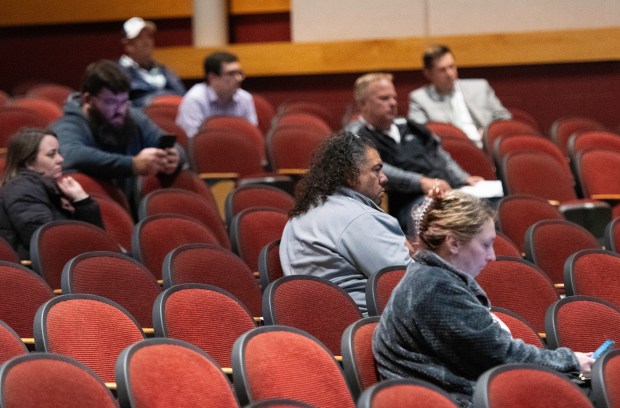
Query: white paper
column 485, row 189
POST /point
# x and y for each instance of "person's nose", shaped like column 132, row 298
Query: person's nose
column 382, row 179
column 491, row 255
column 59, row 159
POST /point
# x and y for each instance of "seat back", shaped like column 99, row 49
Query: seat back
column 525, row 117
column 45, row 109
column 269, row 266
column 46, row 380
column 203, row 315
column 379, row 288
column 358, row 361
column 220, row 149
column 470, row 158
column 265, row 112
column 312, row 304
column 447, row 131
column 184, row 202
column 213, row 265
column 116, row 277
column 92, row 329
column 7, row 252
column 606, row 380
column 56, row 93
column 53, row 244
column 257, row 195
column 537, row 173
column 253, row 228
column 12, row 119
column 292, row 147
column 582, row 323
column 519, row 286
column 117, row 221
column 11, row 345
column 285, row 362
column 21, row 293
column 168, row 124
column 527, row 385
column 519, row 327
column 519, row 142
column 563, row 128
column 318, row 110
column 156, row 235
column 95, row 186
column 597, row 171
column 171, row 373
column 589, row 139
column 405, row 392
column 503, row 246
column 502, row 127
column 516, row 213
column 549, row 243
column 593, row 272
column 612, row 235
column 184, row 179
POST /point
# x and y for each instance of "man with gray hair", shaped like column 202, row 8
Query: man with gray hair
column 414, row 160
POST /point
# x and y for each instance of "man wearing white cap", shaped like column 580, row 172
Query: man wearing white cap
column 148, row 77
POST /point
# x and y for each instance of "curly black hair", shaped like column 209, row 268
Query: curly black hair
column 335, row 164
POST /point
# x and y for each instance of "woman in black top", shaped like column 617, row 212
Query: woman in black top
column 34, row 190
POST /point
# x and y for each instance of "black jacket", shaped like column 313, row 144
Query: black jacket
column 28, row 201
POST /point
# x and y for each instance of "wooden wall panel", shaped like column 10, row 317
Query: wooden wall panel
column 46, row 12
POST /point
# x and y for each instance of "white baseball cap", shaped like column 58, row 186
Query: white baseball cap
column 134, row 26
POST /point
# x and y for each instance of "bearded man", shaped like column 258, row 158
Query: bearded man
column 102, row 136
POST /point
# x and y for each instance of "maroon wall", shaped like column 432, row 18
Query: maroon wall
column 60, row 54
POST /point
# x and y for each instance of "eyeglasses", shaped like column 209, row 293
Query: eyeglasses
column 240, row 74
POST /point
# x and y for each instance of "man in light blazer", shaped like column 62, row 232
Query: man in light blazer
column 469, row 104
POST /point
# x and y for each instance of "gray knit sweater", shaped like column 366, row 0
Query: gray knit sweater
column 437, row 327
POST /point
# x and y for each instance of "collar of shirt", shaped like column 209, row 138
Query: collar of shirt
column 393, row 133
column 213, row 98
column 443, row 96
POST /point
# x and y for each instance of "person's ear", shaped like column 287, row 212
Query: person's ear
column 452, row 244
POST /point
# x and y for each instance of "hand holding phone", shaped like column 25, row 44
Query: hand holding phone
column 604, row 348
column 167, row 141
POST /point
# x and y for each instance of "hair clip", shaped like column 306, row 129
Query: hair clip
column 420, row 215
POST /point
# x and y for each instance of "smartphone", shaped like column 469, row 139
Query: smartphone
column 167, row 141
column 604, row 348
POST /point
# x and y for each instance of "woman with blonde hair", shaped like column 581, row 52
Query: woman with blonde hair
column 437, row 325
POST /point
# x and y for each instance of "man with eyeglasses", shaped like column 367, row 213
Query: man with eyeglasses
column 102, row 136
column 220, row 94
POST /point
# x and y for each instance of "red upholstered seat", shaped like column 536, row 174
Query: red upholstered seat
column 21, row 293
column 91, row 329
column 156, row 235
column 519, row 327
column 11, row 345
column 527, row 385
column 407, row 392
column 269, row 266
column 314, row 305
column 116, row 277
column 358, row 361
column 46, row 380
column 253, row 228
column 213, row 265
column 519, row 286
column 379, row 288
column 188, row 203
column 171, row 373
column 284, row 362
column 582, row 323
column 203, row 315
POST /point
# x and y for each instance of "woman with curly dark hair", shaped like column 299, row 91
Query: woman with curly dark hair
column 337, row 230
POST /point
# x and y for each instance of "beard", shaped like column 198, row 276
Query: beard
column 110, row 137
